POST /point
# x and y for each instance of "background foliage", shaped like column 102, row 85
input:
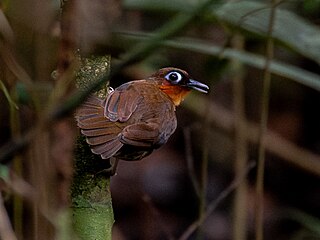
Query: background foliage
column 202, row 183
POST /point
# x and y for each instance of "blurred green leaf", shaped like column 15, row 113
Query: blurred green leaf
column 308, row 221
column 311, row 6
column 4, row 172
column 252, row 16
column 165, row 5
column 23, row 96
column 294, row 73
column 288, row 28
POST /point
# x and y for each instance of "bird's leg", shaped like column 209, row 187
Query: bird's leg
column 111, row 170
column 114, row 164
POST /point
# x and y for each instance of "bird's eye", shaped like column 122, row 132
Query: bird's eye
column 174, row 77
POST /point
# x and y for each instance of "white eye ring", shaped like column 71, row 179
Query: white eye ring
column 174, row 77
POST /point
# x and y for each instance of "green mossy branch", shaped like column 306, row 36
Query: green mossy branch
column 90, row 192
column 91, row 197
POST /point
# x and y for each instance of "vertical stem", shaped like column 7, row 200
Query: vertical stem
column 203, row 173
column 263, row 126
column 240, row 212
column 204, row 165
column 204, row 176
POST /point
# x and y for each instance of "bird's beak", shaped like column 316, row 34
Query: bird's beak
column 197, row 86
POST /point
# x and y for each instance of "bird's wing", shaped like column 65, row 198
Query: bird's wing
column 122, row 102
column 102, row 134
column 141, row 134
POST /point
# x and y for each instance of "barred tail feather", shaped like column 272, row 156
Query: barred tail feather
column 98, row 140
column 101, row 133
column 108, row 149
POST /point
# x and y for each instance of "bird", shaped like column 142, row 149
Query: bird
column 137, row 117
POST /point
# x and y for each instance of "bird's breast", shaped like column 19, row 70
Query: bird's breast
column 175, row 93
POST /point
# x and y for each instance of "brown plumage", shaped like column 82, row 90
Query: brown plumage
column 137, row 117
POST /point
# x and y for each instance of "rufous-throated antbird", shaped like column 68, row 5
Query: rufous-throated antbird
column 137, row 117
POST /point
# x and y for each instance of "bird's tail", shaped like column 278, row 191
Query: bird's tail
column 101, row 134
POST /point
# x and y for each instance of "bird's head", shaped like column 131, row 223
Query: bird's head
column 177, row 83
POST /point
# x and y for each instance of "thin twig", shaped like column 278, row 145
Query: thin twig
column 215, row 203
column 252, row 12
column 204, row 163
column 241, row 155
column 190, row 160
column 263, row 126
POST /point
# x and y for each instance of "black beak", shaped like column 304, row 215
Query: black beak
column 197, row 86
